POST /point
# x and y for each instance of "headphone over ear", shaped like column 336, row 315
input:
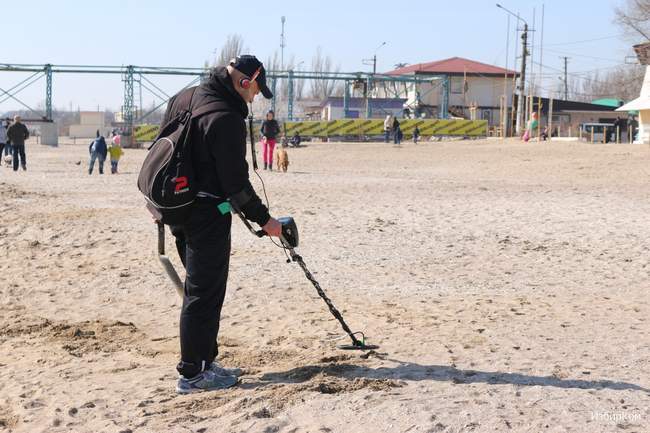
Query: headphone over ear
column 245, row 83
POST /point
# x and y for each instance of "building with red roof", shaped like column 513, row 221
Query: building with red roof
column 469, row 83
column 453, row 66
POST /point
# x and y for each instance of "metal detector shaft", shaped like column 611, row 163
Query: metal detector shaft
column 296, row 258
column 167, row 264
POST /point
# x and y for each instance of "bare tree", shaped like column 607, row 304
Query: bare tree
column 284, row 85
column 273, row 64
column 635, row 16
column 322, row 87
column 573, row 90
column 299, row 85
column 622, row 83
column 233, row 47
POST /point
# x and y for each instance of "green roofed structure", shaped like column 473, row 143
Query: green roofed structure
column 610, row 102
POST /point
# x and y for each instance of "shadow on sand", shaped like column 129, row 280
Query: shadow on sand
column 408, row 371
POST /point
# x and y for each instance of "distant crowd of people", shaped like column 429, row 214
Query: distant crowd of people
column 12, row 147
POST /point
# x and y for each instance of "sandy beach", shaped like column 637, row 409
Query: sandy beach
column 506, row 284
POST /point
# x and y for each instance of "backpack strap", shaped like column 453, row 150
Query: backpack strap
column 185, row 99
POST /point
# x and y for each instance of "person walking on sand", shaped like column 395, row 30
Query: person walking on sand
column 218, row 146
column 3, row 138
column 8, row 147
column 397, row 132
column 388, row 126
column 416, row 134
column 97, row 150
column 115, row 151
column 17, row 134
column 270, row 130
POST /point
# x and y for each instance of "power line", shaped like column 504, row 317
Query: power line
column 586, row 40
column 583, row 55
column 582, row 74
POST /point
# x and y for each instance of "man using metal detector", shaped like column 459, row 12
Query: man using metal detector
column 218, row 146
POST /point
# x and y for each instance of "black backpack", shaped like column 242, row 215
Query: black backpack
column 167, row 175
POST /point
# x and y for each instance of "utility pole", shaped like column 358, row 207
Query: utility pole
column 282, row 43
column 522, row 79
column 566, row 82
column 373, row 60
column 48, row 92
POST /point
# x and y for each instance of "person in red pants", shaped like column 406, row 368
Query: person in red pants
column 270, row 130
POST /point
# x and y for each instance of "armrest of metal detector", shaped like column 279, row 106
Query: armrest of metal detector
column 235, row 208
column 161, row 238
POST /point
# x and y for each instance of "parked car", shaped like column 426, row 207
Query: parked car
column 598, row 131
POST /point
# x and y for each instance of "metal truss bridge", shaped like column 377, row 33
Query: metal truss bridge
column 144, row 76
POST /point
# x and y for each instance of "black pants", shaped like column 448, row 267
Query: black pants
column 2, row 146
column 203, row 244
column 18, row 153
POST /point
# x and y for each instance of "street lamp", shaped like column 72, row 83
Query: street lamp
column 522, row 75
column 373, row 60
column 512, row 13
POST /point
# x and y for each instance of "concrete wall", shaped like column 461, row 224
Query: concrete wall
column 486, row 91
column 334, row 113
column 49, row 134
column 92, row 118
column 88, row 131
column 89, row 123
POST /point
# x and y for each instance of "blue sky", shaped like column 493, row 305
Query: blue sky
column 152, row 33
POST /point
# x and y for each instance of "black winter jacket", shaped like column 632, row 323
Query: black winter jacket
column 99, row 145
column 219, row 144
column 17, row 133
column 270, row 128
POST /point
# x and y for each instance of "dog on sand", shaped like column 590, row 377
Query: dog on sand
column 282, row 159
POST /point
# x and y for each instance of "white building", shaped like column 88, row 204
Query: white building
column 642, row 103
column 333, row 108
column 471, row 83
column 89, row 123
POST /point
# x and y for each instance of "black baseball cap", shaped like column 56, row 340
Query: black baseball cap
column 254, row 69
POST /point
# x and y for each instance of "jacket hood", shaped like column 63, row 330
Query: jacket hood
column 220, row 85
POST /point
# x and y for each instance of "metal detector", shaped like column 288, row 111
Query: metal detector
column 289, row 239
